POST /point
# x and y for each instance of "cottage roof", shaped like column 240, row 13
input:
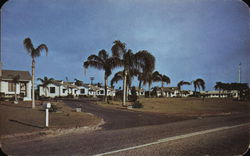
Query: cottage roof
column 169, row 89
column 9, row 74
column 70, row 85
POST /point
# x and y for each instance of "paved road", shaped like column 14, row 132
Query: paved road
column 212, row 136
column 118, row 119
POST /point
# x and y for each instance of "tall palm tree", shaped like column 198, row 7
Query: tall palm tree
column 34, row 52
column 119, row 76
column 45, row 82
column 149, row 78
column 181, row 83
column 146, row 62
column 199, row 83
column 102, row 61
column 161, row 78
column 15, row 80
column 142, row 60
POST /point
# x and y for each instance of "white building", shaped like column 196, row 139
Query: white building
column 140, row 92
column 220, row 94
column 55, row 89
column 22, row 88
column 62, row 89
column 100, row 91
column 186, row 93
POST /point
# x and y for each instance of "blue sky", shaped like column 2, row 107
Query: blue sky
column 190, row 39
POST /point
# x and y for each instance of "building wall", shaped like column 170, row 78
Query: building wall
column 85, row 91
column 28, row 92
column 42, row 91
column 5, row 90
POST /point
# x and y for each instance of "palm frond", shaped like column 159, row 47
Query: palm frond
column 28, row 45
column 118, row 48
column 42, row 47
column 117, row 77
column 93, row 64
column 145, row 60
column 166, row 79
column 103, row 55
column 96, row 58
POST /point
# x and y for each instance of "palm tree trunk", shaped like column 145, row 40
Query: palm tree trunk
column 139, row 89
column 15, row 93
column 124, row 88
column 105, row 87
column 127, row 90
column 162, row 83
column 180, row 92
column 194, row 91
column 149, row 92
column 33, row 83
column 46, row 91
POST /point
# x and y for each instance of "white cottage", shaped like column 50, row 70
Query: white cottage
column 55, row 89
column 83, row 90
column 140, row 92
column 22, row 88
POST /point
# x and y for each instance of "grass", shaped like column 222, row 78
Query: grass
column 20, row 118
column 187, row 106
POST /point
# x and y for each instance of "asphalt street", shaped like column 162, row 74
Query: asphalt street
column 154, row 135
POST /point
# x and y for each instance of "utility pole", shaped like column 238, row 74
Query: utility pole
column 239, row 73
column 1, row 64
column 91, row 79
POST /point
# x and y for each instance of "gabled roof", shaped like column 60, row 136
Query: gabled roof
column 9, row 74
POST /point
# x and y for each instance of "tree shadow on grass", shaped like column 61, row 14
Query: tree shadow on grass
column 26, row 124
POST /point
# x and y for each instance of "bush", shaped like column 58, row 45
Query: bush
column 137, row 104
column 119, row 95
column 133, row 96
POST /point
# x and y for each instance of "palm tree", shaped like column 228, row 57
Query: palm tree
column 147, row 64
column 15, row 80
column 181, row 83
column 78, row 82
column 45, row 82
column 149, row 78
column 199, row 83
column 161, row 78
column 219, row 86
column 142, row 60
column 102, row 61
column 34, row 52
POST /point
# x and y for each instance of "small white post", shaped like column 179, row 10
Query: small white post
column 47, row 117
column 47, row 107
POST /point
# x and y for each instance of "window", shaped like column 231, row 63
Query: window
column 102, row 92
column 11, row 87
column 64, row 90
column 82, row 91
column 52, row 89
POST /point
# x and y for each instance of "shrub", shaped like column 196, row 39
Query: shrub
column 119, row 95
column 137, row 104
column 53, row 108
column 133, row 96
